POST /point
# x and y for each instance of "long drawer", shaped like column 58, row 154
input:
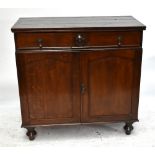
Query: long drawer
column 78, row 39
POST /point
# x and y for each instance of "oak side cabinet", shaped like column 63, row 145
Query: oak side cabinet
column 74, row 70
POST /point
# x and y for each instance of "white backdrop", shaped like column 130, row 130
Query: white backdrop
column 9, row 100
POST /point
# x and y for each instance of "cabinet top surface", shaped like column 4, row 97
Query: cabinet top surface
column 57, row 23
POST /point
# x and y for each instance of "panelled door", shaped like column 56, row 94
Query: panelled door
column 50, row 85
column 109, row 82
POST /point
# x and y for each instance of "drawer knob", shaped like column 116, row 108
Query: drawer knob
column 79, row 40
column 119, row 40
column 40, row 42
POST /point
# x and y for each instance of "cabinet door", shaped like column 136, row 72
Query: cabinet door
column 49, row 87
column 110, row 85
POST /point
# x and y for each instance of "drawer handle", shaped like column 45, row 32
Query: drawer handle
column 40, row 42
column 79, row 40
column 119, row 39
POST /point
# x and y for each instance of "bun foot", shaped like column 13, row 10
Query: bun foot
column 128, row 128
column 31, row 133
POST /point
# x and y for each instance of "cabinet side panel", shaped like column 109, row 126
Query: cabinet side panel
column 136, row 83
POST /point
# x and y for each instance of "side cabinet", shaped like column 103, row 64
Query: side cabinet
column 74, row 70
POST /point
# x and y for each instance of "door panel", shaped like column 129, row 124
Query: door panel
column 108, row 77
column 52, row 86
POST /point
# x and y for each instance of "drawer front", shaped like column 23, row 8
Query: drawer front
column 78, row 39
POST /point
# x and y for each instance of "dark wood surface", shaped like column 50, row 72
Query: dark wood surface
column 108, row 77
column 82, row 76
column 49, row 23
column 51, row 85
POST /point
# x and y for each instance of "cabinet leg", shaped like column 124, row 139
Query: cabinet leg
column 31, row 133
column 128, row 127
